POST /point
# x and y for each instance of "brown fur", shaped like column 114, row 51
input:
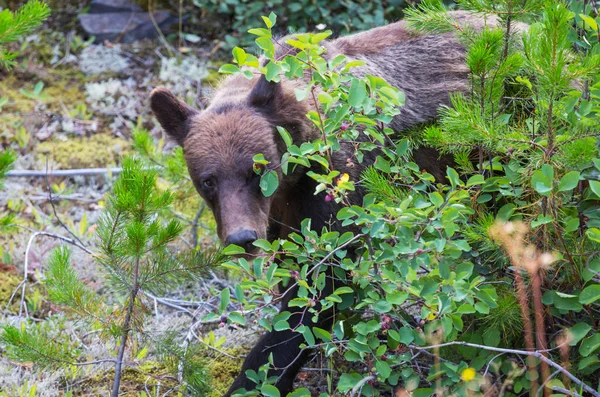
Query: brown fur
column 240, row 121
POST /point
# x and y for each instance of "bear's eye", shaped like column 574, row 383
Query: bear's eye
column 208, row 183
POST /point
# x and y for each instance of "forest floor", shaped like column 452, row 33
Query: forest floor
column 69, row 104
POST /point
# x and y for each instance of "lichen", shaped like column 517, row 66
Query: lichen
column 100, row 150
column 99, row 59
column 115, row 98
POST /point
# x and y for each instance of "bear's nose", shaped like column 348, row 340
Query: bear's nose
column 243, row 238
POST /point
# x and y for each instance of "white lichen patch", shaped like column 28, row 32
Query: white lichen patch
column 116, row 98
column 98, row 59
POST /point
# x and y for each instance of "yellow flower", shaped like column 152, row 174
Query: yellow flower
column 343, row 178
column 468, row 374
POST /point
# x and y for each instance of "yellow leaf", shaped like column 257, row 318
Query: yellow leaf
column 344, row 178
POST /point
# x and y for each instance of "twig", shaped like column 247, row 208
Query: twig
column 195, row 224
column 360, row 384
column 565, row 391
column 537, row 354
column 126, row 329
column 25, row 270
column 54, row 208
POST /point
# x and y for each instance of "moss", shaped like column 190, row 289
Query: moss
column 133, row 380
column 17, row 102
column 223, row 370
column 214, row 77
column 8, row 284
column 99, row 150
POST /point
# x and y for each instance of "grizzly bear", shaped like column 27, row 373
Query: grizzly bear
column 240, row 122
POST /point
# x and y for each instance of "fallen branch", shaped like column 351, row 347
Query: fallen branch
column 72, row 172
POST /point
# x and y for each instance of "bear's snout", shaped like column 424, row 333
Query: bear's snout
column 243, row 238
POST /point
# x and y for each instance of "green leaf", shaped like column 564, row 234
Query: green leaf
column 285, row 135
column 233, row 249
column 322, row 334
column 272, row 72
column 358, row 93
column 541, row 220
column 383, row 369
column 267, row 22
column 475, row 180
column 229, row 68
column 426, row 392
column 541, row 183
column 453, row 177
column 569, row 181
column 302, row 392
column 343, row 290
column 225, row 299
column 382, row 306
column 590, row 345
column 269, row 183
column 578, row 332
column 348, row 381
column 273, row 18
column 589, row 21
column 239, row 55
column 590, row 294
column 406, row 335
column 595, row 186
column 269, row 391
column 237, row 317
column 261, row 32
column 593, row 234
column 308, row 335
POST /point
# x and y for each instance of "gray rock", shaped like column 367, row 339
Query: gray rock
column 124, row 26
column 101, row 6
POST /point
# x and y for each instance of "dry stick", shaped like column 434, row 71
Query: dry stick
column 63, row 173
column 25, row 270
column 126, row 329
column 195, row 224
column 540, row 328
column 536, row 354
column 565, row 391
column 527, row 329
column 360, row 384
column 54, row 208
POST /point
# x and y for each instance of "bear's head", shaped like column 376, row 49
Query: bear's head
column 220, row 142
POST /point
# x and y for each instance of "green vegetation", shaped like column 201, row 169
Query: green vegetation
column 137, row 264
column 17, row 24
column 526, row 143
column 486, row 285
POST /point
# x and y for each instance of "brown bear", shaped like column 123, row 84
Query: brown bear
column 220, row 142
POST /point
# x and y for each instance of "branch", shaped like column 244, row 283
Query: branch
column 360, row 384
column 537, row 354
column 72, row 172
column 54, row 208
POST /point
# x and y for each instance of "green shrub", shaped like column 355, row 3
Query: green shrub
column 300, row 15
column 525, row 215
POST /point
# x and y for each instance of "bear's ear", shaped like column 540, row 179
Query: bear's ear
column 172, row 114
column 265, row 95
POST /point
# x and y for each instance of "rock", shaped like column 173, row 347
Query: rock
column 122, row 21
column 102, row 6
